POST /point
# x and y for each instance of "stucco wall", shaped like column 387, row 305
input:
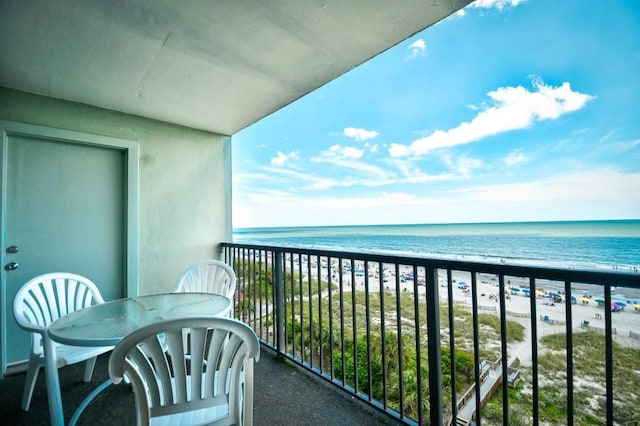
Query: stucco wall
column 184, row 182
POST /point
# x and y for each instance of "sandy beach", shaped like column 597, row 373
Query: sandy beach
column 586, row 313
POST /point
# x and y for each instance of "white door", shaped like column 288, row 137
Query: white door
column 65, row 210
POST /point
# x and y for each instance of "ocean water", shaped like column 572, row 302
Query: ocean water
column 574, row 244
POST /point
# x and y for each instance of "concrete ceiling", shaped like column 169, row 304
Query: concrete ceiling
column 218, row 65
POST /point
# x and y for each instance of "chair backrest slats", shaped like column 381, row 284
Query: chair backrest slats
column 172, row 377
column 152, row 362
column 198, row 343
column 213, row 358
column 208, row 276
column 175, row 344
column 78, row 296
column 47, row 297
column 234, row 380
column 32, row 306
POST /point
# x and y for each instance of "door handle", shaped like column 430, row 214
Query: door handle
column 11, row 266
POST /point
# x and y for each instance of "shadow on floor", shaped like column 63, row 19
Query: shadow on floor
column 284, row 395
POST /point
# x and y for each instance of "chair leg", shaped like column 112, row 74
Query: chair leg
column 88, row 369
column 30, row 381
column 247, row 402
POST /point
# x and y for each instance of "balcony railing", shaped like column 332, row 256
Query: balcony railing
column 427, row 340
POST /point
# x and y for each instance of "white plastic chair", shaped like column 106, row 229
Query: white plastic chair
column 208, row 276
column 212, row 384
column 41, row 301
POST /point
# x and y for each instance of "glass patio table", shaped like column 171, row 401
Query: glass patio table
column 108, row 323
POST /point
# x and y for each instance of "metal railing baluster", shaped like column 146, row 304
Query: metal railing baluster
column 608, row 353
column 383, row 334
column 330, row 313
column 320, row 323
column 400, row 348
column 341, row 304
column 311, row 339
column 354, row 326
column 301, row 308
column 279, row 303
column 569, row 334
column 263, row 275
column 289, row 303
column 418, row 343
column 476, row 345
column 368, row 329
column 504, row 360
column 534, row 349
column 433, row 346
column 452, row 345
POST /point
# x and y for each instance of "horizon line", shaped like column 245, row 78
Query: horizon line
column 441, row 224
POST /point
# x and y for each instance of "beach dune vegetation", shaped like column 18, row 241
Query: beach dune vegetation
column 340, row 333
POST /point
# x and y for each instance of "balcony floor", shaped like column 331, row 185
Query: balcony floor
column 284, row 395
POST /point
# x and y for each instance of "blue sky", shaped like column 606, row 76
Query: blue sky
column 510, row 110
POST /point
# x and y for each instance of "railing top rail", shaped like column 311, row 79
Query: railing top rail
column 584, row 276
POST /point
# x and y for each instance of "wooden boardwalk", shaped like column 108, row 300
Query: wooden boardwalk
column 490, row 379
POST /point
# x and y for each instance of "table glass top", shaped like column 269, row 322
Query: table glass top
column 107, row 323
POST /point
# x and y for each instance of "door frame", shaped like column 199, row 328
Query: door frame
column 131, row 222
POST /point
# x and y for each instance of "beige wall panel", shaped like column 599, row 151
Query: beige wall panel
column 184, row 182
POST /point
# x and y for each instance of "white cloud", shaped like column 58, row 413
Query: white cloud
column 398, row 150
column 413, row 174
column 597, row 185
column 514, row 108
column 347, row 159
column 351, row 152
column 274, row 177
column 338, row 153
column 515, row 157
column 324, row 184
column 365, row 174
column 281, row 158
column 417, row 48
column 463, row 165
column 359, row 134
column 598, row 193
column 495, row 4
column 355, row 172
column 296, row 180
